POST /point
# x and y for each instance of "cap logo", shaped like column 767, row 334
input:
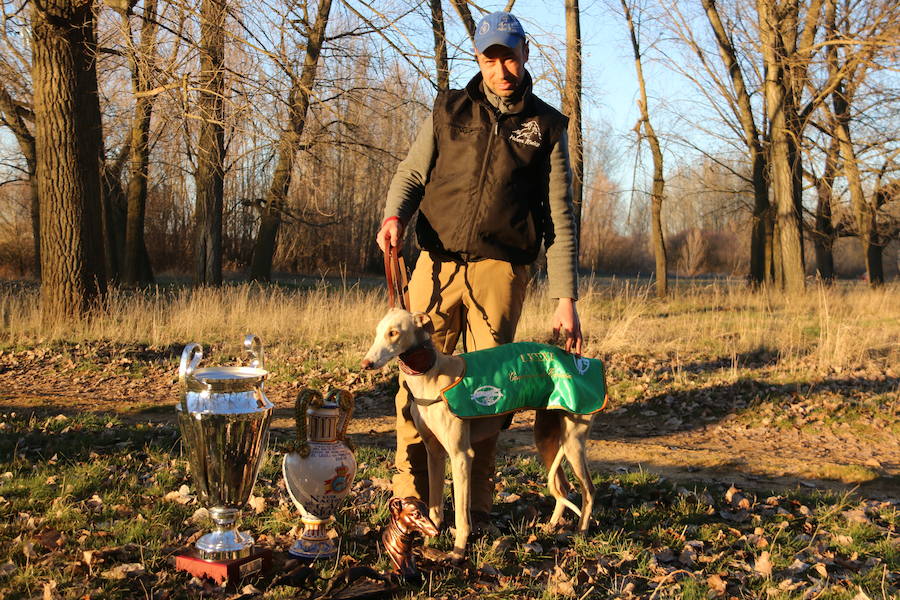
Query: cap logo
column 485, row 27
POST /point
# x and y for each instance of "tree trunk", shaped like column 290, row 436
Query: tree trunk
column 656, row 230
column 782, row 159
column 67, row 137
column 824, row 234
column 270, row 222
column 572, row 108
column 442, row 67
column 9, row 114
column 136, row 268
column 210, row 174
column 761, row 207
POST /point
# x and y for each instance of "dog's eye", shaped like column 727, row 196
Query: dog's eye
column 393, row 333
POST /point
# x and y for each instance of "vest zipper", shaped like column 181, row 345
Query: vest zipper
column 495, row 131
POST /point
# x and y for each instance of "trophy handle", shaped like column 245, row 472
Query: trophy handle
column 305, row 399
column 190, row 358
column 346, row 404
column 254, row 346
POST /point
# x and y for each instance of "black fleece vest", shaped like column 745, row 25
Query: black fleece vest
column 487, row 193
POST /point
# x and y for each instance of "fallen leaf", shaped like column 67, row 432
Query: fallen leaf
column 123, row 571
column 688, row 556
column 50, row 591
column 257, row 503
column 28, row 550
column 763, row 565
column 717, row 585
column 560, row 584
column 820, row 569
column 856, row 516
column 843, row 540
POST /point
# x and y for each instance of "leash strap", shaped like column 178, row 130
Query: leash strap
column 397, row 281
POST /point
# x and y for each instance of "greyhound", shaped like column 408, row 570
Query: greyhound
column 557, row 433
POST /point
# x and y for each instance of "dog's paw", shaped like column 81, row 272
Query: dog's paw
column 457, row 556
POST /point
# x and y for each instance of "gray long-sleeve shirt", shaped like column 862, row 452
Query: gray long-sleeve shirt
column 408, row 187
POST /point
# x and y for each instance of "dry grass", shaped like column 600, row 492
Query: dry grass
column 843, row 327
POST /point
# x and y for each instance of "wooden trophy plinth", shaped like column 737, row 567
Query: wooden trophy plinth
column 230, row 571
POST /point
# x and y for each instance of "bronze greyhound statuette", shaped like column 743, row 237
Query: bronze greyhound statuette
column 409, row 517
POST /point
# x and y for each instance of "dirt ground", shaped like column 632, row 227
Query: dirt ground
column 658, row 436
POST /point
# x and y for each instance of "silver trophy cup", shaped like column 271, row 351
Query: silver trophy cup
column 224, row 419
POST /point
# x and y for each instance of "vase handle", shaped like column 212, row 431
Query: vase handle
column 346, row 403
column 305, row 399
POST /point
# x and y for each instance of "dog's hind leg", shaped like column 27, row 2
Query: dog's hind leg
column 561, row 501
column 547, row 433
column 576, row 430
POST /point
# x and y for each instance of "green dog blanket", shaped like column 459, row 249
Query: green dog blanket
column 523, row 376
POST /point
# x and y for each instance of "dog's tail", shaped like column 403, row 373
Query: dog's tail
column 553, row 484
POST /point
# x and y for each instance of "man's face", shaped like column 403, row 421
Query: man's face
column 503, row 68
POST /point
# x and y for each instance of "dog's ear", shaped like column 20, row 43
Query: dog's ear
column 396, row 506
column 424, row 321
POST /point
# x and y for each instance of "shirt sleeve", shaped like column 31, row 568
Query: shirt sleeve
column 562, row 253
column 408, row 184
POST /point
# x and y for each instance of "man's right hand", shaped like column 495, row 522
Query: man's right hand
column 390, row 234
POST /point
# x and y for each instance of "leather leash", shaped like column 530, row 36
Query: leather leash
column 395, row 273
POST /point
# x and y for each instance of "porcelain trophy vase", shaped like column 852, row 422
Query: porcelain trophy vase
column 319, row 472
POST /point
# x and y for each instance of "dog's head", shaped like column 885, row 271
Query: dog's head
column 411, row 516
column 397, row 332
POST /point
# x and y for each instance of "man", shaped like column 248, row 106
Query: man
column 489, row 174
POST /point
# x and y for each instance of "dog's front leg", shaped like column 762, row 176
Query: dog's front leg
column 436, row 459
column 461, row 467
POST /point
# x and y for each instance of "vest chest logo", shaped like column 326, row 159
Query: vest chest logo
column 487, row 395
column 529, row 134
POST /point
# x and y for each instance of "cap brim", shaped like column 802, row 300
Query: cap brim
column 498, row 38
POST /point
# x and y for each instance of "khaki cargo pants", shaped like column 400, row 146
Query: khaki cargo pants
column 481, row 301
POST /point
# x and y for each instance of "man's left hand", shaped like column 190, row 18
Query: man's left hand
column 565, row 319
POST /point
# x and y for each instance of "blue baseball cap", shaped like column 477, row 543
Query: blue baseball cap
column 498, row 28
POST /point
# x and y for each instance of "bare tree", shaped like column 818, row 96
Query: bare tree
column 743, row 108
column 441, row 64
column 657, row 195
column 136, row 261
column 572, row 105
column 298, row 104
column 210, row 148
column 68, row 140
column 12, row 115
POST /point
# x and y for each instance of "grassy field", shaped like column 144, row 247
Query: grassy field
column 96, row 497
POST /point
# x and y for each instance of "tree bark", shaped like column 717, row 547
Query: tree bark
column 136, row 267
column 210, row 152
column 824, row 234
column 572, row 107
column 657, row 195
column 782, row 156
column 442, row 66
column 270, row 221
column 68, row 140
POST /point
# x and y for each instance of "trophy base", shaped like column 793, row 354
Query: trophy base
column 313, row 549
column 230, row 571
